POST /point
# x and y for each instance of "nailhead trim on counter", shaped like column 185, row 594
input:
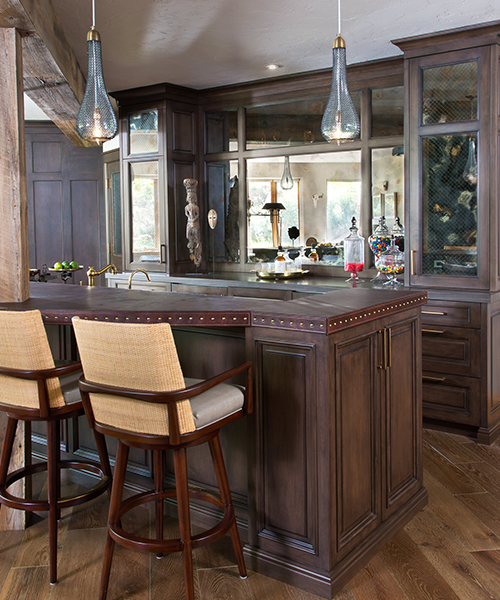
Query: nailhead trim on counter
column 246, row 319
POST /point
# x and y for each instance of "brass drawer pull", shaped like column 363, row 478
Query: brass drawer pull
column 428, row 378
column 413, row 266
column 432, row 331
column 389, row 347
column 386, row 348
column 432, row 312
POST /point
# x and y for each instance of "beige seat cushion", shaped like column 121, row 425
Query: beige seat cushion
column 69, row 387
column 216, row 403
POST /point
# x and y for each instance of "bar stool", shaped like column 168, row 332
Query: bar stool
column 33, row 389
column 133, row 389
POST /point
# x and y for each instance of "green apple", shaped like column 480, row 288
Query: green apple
column 65, row 264
column 58, row 265
column 73, row 265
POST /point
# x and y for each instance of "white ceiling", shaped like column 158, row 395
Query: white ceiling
column 207, row 43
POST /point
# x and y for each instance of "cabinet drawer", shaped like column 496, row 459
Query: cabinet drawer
column 453, row 350
column 199, row 289
column 451, row 398
column 461, row 314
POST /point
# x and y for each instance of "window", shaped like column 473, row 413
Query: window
column 145, row 212
column 265, row 230
column 343, row 202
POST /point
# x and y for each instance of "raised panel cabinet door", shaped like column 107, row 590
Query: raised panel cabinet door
column 401, row 417
column 66, row 209
column 286, row 479
column 357, row 441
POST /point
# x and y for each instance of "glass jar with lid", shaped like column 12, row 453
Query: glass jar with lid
column 392, row 263
column 378, row 242
column 280, row 261
column 354, row 253
column 399, row 234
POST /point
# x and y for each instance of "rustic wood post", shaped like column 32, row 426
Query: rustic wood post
column 14, row 265
column 14, row 259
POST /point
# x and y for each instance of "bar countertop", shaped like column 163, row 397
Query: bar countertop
column 319, row 313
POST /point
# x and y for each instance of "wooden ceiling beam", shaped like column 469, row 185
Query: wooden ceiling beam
column 52, row 76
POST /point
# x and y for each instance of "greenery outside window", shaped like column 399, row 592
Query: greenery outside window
column 145, row 212
column 343, row 201
column 263, row 232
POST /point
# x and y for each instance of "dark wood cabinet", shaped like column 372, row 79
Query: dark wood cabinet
column 158, row 141
column 452, row 229
column 329, row 465
column 338, row 452
column 356, row 446
column 66, row 208
column 456, row 382
column 401, row 416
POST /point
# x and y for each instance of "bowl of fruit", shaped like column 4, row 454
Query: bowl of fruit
column 66, row 265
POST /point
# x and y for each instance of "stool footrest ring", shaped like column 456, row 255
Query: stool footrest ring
column 20, row 503
column 134, row 542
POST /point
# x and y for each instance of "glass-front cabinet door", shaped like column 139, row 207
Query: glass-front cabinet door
column 144, row 190
column 449, row 194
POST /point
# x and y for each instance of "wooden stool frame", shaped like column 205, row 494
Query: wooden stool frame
column 159, row 445
column 53, row 464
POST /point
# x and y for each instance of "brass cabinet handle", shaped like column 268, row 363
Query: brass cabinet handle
column 432, row 331
column 432, row 312
column 163, row 249
column 412, row 262
column 384, row 350
column 389, row 347
column 429, row 378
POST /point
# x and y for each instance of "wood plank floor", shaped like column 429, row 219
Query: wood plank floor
column 450, row 551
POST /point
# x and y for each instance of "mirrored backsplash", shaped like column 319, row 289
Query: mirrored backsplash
column 325, row 195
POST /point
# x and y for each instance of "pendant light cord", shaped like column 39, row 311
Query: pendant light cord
column 339, row 17
column 93, row 12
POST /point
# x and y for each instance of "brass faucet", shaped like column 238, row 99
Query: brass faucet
column 133, row 273
column 91, row 273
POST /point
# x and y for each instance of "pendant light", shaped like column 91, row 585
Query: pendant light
column 96, row 120
column 340, row 121
column 287, row 179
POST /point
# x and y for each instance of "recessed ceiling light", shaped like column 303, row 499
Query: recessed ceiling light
column 273, row 67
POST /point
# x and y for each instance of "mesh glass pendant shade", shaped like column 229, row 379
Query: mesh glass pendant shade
column 96, row 120
column 340, row 121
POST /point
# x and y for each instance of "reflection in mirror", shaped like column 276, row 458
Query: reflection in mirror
column 221, row 131
column 291, row 123
column 325, row 196
column 388, row 111
column 387, row 185
column 450, row 93
column 143, row 132
column 223, row 197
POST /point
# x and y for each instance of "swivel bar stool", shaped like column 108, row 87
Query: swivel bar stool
column 133, row 389
column 32, row 389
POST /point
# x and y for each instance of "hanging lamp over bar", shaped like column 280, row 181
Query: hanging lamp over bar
column 96, row 120
column 287, row 179
column 340, row 121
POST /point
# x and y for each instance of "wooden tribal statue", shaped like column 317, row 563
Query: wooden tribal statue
column 193, row 221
